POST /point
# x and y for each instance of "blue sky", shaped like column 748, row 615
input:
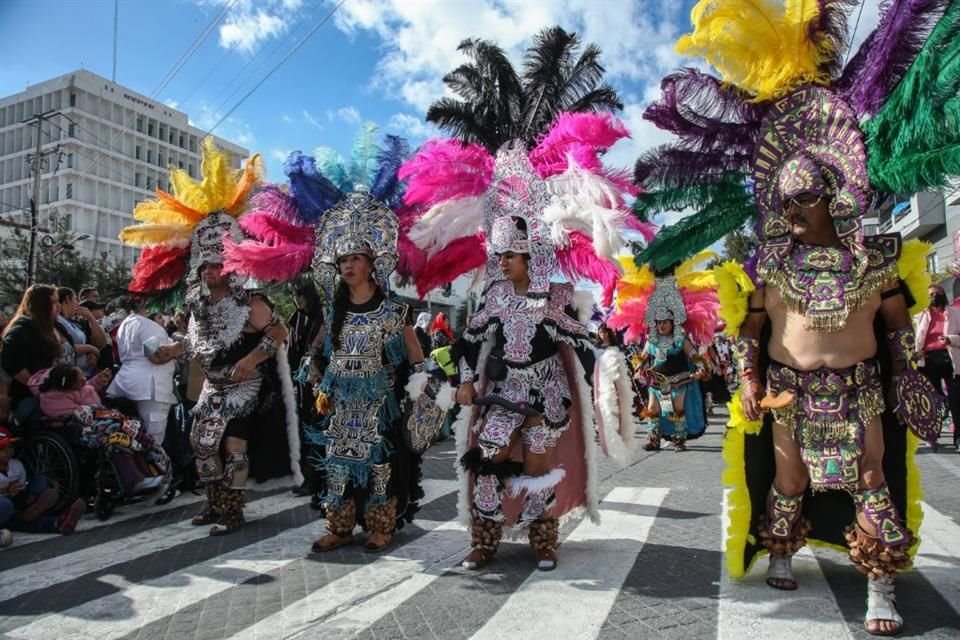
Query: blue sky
column 375, row 60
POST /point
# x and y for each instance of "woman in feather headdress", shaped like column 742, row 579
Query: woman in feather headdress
column 367, row 355
column 247, row 396
column 672, row 315
column 794, row 135
column 521, row 196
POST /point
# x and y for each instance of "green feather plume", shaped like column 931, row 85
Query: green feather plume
column 913, row 143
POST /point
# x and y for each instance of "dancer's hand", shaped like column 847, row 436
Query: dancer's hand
column 750, row 398
column 466, row 393
column 242, row 370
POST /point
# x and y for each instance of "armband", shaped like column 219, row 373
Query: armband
column 746, row 352
column 267, row 345
column 902, row 344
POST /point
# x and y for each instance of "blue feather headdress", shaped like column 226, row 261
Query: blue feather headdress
column 332, row 208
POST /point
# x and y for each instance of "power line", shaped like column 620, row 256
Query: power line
column 854, row 35
column 278, row 65
column 177, row 66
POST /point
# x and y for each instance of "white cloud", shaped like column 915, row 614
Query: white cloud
column 173, row 104
column 232, row 129
column 286, row 119
column 280, row 155
column 349, row 115
column 249, row 23
column 411, row 127
column 420, row 38
column 309, row 119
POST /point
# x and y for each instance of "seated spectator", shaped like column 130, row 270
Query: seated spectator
column 31, row 342
column 25, row 501
column 65, row 393
column 82, row 329
column 144, row 377
column 89, row 293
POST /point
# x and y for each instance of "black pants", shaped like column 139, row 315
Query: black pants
column 938, row 369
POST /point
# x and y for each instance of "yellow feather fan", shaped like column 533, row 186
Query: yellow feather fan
column 733, row 290
column 912, row 269
column 635, row 281
column 690, row 279
column 169, row 220
column 763, row 47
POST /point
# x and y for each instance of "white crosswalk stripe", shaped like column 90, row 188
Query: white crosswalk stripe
column 362, row 592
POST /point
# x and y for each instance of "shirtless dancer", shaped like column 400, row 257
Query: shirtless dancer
column 827, row 437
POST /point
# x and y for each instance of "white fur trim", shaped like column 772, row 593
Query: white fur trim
column 519, row 484
column 461, row 430
column 589, row 446
column 446, row 397
column 614, row 396
column 416, row 385
column 293, row 419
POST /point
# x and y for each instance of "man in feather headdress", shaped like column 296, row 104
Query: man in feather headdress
column 245, row 418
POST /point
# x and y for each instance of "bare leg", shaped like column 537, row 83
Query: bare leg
column 791, row 479
column 871, row 477
column 541, row 478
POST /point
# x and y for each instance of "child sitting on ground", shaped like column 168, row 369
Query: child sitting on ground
column 24, row 502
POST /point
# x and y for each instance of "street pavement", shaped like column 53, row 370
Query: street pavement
column 653, row 569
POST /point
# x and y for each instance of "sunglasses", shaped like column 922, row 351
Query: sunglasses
column 802, row 201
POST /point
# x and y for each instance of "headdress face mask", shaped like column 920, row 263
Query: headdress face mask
column 358, row 224
column 800, row 175
column 207, row 244
column 517, row 192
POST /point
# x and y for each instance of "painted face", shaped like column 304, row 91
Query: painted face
column 355, row 269
column 514, row 267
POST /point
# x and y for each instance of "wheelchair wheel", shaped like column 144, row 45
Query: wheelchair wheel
column 103, row 506
column 48, row 453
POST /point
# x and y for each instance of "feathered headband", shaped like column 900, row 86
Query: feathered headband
column 331, row 208
column 784, row 95
column 572, row 207
column 182, row 231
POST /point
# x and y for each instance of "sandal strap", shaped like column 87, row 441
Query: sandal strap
column 881, row 601
column 780, row 568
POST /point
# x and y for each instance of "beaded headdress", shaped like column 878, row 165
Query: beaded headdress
column 183, row 230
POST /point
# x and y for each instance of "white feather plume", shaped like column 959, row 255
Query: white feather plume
column 445, row 222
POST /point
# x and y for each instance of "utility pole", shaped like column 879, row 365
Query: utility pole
column 38, row 162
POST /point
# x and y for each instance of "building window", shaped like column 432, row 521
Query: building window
column 69, row 161
column 67, row 222
column 181, row 141
column 190, row 169
column 69, row 190
column 159, row 158
column 180, row 164
column 136, row 152
column 137, row 179
column 73, row 99
column 150, row 155
column 163, row 132
column 933, row 263
column 140, row 125
column 72, row 130
column 150, row 130
column 193, row 144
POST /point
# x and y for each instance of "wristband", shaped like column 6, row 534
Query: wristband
column 268, row 345
column 746, row 351
column 902, row 344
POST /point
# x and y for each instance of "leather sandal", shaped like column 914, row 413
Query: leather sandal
column 330, row 542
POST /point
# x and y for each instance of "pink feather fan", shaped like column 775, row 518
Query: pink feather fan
column 579, row 261
column 582, row 136
column 702, row 310
column 445, row 170
column 457, row 258
column 279, row 249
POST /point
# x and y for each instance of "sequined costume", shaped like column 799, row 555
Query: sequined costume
column 241, row 428
column 796, row 121
column 366, row 373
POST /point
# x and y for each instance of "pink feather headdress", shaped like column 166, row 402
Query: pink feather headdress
column 445, row 230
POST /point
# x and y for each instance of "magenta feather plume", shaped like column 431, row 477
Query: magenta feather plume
column 631, row 316
column 646, row 229
column 273, row 200
column 271, row 230
column 887, row 53
column 581, row 136
column 411, row 258
column 702, row 308
column 272, row 263
column 457, row 258
column 446, row 169
column 579, row 261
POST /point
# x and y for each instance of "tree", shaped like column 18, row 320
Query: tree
column 59, row 263
column 739, row 245
column 500, row 105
